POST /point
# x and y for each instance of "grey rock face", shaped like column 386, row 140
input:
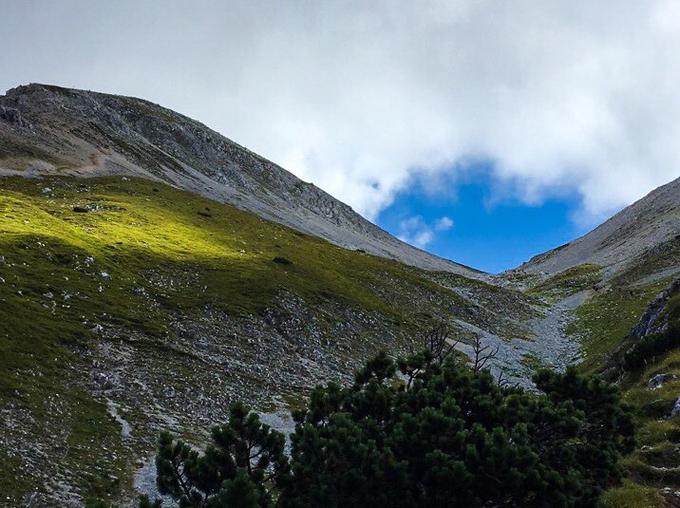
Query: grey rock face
column 659, row 380
column 652, row 321
column 676, row 409
column 11, row 115
column 46, row 129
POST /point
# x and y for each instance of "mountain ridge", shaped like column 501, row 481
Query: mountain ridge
column 651, row 221
column 55, row 130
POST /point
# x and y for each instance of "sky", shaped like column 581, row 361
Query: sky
column 467, row 222
column 484, row 131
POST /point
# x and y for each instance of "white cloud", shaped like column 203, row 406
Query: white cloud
column 416, row 231
column 360, row 96
column 443, row 223
column 423, row 238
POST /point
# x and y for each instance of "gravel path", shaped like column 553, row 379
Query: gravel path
column 551, row 346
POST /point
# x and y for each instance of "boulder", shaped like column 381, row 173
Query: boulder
column 658, row 380
column 12, row 115
column 676, row 409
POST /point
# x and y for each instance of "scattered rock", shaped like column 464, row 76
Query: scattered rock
column 671, row 496
column 658, row 380
column 676, row 409
column 204, row 214
column 104, row 381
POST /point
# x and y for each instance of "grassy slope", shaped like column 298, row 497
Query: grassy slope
column 64, row 272
column 602, row 324
column 568, row 282
column 656, row 462
column 53, row 294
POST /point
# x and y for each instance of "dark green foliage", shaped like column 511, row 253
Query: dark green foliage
column 245, row 458
column 428, row 431
column 455, row 438
column 98, row 503
column 145, row 502
column 241, row 492
column 649, row 348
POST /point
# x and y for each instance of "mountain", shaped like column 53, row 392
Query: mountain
column 152, row 272
column 625, row 279
column 648, row 224
column 51, row 130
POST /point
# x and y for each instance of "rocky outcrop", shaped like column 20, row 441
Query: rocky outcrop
column 676, row 409
column 655, row 320
column 659, row 380
column 12, row 115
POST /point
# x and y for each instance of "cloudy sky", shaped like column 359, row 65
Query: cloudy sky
column 426, row 117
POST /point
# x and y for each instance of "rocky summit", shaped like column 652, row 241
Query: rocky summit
column 152, row 272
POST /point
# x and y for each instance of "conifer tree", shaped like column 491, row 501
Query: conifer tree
column 424, row 430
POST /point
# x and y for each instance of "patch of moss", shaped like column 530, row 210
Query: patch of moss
column 568, row 282
column 632, row 495
column 605, row 319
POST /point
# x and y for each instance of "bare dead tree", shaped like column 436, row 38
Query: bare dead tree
column 502, row 380
column 439, row 342
column 483, row 354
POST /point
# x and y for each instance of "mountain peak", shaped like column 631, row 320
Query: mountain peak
column 84, row 133
column 646, row 225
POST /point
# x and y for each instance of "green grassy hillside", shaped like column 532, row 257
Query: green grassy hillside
column 603, row 325
column 155, row 287
column 655, row 464
column 131, row 304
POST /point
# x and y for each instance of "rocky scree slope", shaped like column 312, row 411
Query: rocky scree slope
column 50, row 130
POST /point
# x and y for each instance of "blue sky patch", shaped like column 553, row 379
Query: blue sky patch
column 475, row 222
